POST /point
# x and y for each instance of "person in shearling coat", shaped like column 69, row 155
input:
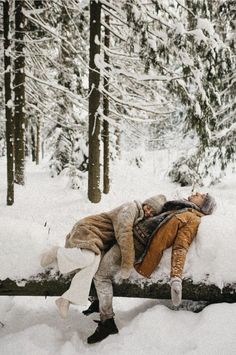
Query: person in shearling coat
column 175, row 226
column 90, row 238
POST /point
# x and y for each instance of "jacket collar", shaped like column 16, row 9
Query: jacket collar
column 140, row 214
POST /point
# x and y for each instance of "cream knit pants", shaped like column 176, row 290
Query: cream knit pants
column 71, row 259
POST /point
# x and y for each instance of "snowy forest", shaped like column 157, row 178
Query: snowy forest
column 82, row 83
column 104, row 102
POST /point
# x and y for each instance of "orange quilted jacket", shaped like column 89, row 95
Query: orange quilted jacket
column 178, row 232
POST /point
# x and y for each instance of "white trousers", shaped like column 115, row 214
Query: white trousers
column 71, row 259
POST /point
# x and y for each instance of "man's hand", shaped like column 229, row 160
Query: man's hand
column 176, row 290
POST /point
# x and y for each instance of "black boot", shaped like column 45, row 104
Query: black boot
column 104, row 329
column 94, row 307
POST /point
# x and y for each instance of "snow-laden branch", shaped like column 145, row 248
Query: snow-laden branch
column 133, row 104
column 158, row 19
column 186, row 8
column 49, row 29
column 68, row 4
column 35, row 89
column 137, row 77
column 115, row 53
column 48, row 118
column 112, row 7
column 113, row 14
column 134, row 118
column 56, row 87
column 112, row 31
column 37, row 51
column 225, row 132
column 128, row 90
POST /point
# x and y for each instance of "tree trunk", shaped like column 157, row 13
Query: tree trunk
column 47, row 285
column 42, row 150
column 37, row 141
column 117, row 134
column 27, row 139
column 19, row 88
column 106, row 180
column 33, row 144
column 94, row 193
column 8, row 106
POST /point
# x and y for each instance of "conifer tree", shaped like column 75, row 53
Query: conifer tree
column 19, row 91
column 105, row 132
column 8, row 104
column 94, row 192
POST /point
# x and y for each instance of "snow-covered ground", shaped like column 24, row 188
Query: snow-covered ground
column 33, row 327
column 45, row 209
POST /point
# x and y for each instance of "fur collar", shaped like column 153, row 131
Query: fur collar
column 140, row 211
column 178, row 205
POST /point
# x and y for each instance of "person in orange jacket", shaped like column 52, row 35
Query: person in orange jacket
column 175, row 226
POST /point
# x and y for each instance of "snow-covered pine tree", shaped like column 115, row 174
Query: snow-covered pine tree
column 94, row 192
column 55, row 83
column 70, row 154
column 224, row 137
column 136, row 98
column 8, row 103
column 211, row 105
column 19, row 92
column 182, row 43
column 105, row 128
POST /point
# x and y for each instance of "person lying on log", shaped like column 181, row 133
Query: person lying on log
column 175, row 226
column 90, row 238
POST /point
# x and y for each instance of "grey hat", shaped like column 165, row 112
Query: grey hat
column 209, row 204
column 156, row 202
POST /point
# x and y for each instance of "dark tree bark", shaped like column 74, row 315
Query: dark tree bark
column 38, row 142
column 117, row 134
column 19, row 89
column 94, row 193
column 8, row 106
column 42, row 150
column 105, row 135
column 48, row 285
column 33, row 144
column 27, row 137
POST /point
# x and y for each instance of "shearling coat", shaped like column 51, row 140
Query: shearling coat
column 99, row 232
column 178, row 232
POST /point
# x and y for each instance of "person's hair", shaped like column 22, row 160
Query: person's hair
column 209, row 204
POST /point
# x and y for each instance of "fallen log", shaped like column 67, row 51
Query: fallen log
column 46, row 284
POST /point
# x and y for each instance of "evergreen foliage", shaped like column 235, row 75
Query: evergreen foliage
column 171, row 72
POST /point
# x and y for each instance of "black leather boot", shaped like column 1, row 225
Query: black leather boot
column 104, row 329
column 94, row 307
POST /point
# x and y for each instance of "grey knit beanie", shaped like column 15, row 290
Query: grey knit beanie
column 156, row 202
column 209, row 205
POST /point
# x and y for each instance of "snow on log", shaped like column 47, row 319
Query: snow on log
column 46, row 284
column 209, row 273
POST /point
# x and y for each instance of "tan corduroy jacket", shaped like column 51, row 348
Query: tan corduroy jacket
column 178, row 232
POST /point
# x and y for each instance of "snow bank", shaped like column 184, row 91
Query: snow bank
column 145, row 327
column 213, row 253
column 20, row 247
